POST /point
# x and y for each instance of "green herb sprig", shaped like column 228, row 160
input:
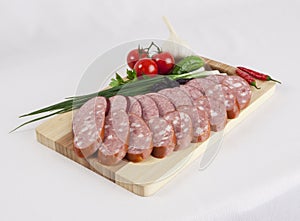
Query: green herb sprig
column 131, row 76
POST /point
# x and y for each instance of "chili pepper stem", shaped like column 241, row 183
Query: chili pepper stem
column 270, row 79
column 254, row 85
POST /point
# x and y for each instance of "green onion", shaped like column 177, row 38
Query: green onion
column 129, row 88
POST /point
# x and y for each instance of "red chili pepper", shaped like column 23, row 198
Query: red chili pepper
column 247, row 77
column 257, row 75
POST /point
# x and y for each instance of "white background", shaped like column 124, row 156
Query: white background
column 46, row 45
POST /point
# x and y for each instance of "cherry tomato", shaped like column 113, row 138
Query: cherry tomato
column 135, row 55
column 165, row 62
column 146, row 66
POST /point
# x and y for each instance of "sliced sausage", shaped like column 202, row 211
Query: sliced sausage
column 217, row 78
column 117, row 118
column 218, row 112
column 183, row 128
column 164, row 105
column 225, row 95
column 241, row 89
column 115, row 145
column 231, row 104
column 164, row 139
column 214, row 102
column 229, row 98
column 118, row 102
column 193, row 92
column 149, row 107
column 134, row 106
column 88, row 126
column 202, row 104
column 177, row 96
column 140, row 139
column 202, row 84
column 201, row 127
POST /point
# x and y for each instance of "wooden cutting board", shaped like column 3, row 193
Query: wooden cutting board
column 144, row 178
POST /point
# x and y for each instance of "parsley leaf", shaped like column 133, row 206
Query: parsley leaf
column 120, row 79
column 113, row 83
column 117, row 81
column 131, row 74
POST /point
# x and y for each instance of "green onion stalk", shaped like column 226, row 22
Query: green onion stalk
column 128, row 88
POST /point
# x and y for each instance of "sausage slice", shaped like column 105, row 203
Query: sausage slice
column 118, row 102
column 231, row 103
column 177, row 96
column 193, row 92
column 217, row 78
column 164, row 105
column 115, row 145
column 164, row 139
column 134, row 106
column 214, row 103
column 241, row 89
column 200, row 122
column 149, row 107
column 183, row 128
column 140, row 139
column 88, row 126
column 201, row 84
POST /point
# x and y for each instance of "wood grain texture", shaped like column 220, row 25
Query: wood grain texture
column 144, row 178
column 223, row 68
